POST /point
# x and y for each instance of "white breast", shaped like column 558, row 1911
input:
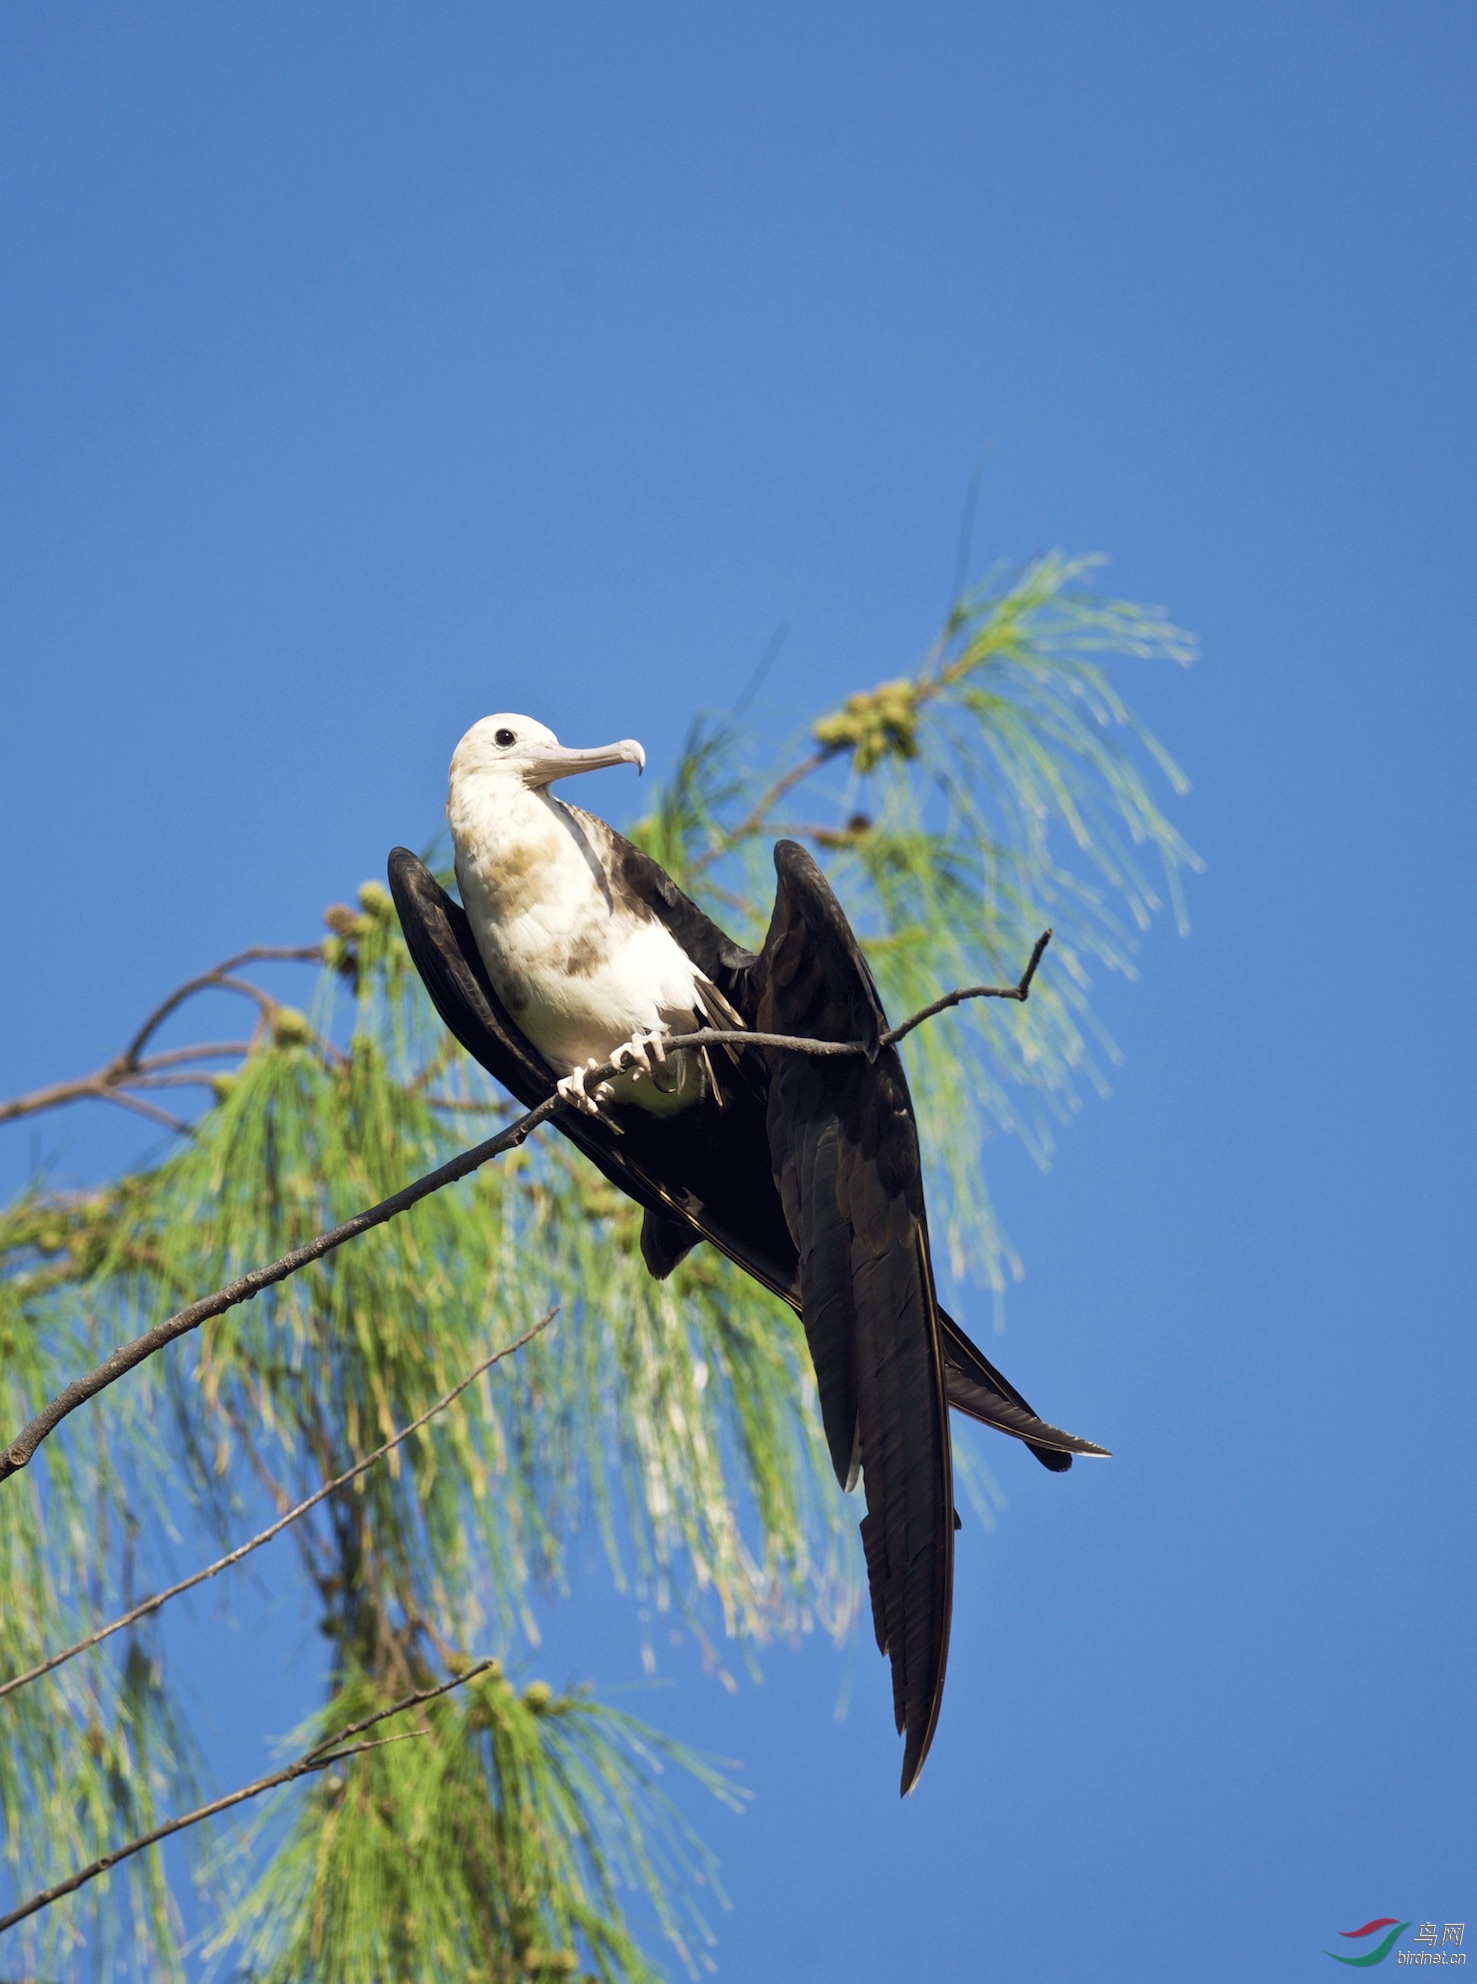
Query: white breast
column 580, row 965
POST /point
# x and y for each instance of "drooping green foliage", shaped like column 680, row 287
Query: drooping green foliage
column 497, row 1837
column 87, row 1757
column 1000, row 787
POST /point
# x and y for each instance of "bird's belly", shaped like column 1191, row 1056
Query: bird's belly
column 572, row 1021
column 577, row 1004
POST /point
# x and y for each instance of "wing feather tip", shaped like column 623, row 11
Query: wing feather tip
column 915, row 1756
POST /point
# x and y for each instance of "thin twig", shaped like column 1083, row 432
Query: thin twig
column 756, row 680
column 754, row 819
column 318, row 1758
column 414, row 1700
column 171, row 1078
column 54, row 1095
column 1021, row 991
column 489, row 1106
column 966, row 530
column 22, row 1448
column 210, row 1050
column 106, row 1084
column 218, row 975
column 160, row 1598
column 126, row 1101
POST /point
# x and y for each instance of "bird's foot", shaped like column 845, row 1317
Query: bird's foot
column 639, row 1051
column 572, row 1088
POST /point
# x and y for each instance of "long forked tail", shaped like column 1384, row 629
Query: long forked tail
column 978, row 1390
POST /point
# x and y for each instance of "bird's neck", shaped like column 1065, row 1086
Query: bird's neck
column 520, row 854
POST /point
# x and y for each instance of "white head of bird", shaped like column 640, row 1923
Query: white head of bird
column 514, row 752
column 580, row 962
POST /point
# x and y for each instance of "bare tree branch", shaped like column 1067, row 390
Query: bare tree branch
column 21, row 1449
column 477, row 1106
column 55, row 1094
column 169, row 1078
column 126, row 1101
column 1021, row 991
column 398, row 1707
column 318, row 1758
column 209, row 1050
column 160, row 1598
column 219, row 975
column 106, row 1084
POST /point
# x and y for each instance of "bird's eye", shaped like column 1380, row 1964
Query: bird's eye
column 505, row 738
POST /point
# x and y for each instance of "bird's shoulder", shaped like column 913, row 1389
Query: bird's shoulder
column 633, row 873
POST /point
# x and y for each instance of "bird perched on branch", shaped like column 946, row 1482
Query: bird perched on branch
column 573, row 951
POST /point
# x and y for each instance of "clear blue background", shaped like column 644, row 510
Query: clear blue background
column 366, row 368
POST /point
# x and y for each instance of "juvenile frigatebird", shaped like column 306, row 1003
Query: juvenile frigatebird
column 573, row 950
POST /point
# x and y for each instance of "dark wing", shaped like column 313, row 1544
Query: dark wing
column 845, row 1153
column 973, row 1384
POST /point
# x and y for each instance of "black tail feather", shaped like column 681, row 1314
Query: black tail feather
column 981, row 1392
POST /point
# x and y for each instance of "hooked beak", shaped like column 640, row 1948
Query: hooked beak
column 550, row 761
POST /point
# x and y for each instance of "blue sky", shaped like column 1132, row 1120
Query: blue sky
column 366, row 369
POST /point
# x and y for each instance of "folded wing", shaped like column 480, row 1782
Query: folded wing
column 845, row 1153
